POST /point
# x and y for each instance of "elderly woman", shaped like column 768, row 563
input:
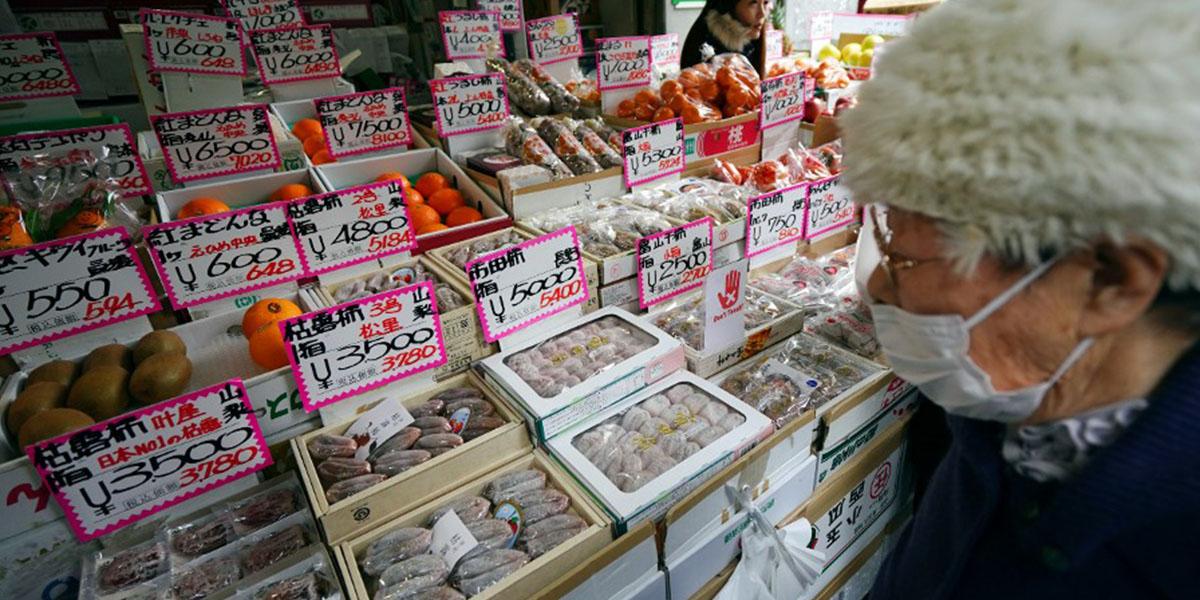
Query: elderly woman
column 1033, row 265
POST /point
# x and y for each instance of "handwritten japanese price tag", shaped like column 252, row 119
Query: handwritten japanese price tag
column 68, row 286
column 470, row 103
column 103, row 152
column 652, row 152
column 830, row 207
column 470, row 34
column 554, row 39
column 351, row 226
column 264, row 14
column 782, row 100
column 295, row 54
column 209, row 258
column 220, row 141
column 357, row 346
column 674, row 261
column 665, row 49
column 511, row 13
column 365, row 122
column 518, row 286
column 774, row 44
column 775, row 219
column 193, row 43
column 120, row 471
column 622, row 62
column 33, row 65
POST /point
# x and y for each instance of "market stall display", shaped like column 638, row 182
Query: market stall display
column 724, row 87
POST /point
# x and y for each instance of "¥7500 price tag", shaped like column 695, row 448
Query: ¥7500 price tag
column 64, row 287
column 221, row 141
column 782, row 100
column 653, row 151
column 122, row 470
column 295, row 54
column 193, row 43
column 674, row 261
column 829, row 209
column 365, row 122
column 775, row 219
column 350, row 348
column 66, row 156
column 34, row 66
column 518, row 286
column 470, row 103
column 351, row 226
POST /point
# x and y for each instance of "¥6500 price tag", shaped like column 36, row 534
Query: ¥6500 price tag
column 518, row 286
column 295, row 54
column 622, row 62
column 61, row 288
column 775, row 219
column 365, row 122
column 33, row 65
column 782, row 100
column 470, row 34
column 120, row 471
column 674, row 261
column 829, row 209
column 351, row 226
column 221, row 141
column 554, row 39
column 264, row 14
column 470, row 103
column 101, row 152
column 653, row 151
column 193, row 43
column 350, row 348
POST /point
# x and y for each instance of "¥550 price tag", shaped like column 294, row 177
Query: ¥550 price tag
column 365, row 122
column 470, row 103
column 830, row 208
column 674, row 261
column 295, row 54
column 782, row 100
column 622, row 62
column 653, row 151
column 775, row 219
column 33, row 65
column 103, row 151
column 193, row 43
column 221, row 141
column 351, row 226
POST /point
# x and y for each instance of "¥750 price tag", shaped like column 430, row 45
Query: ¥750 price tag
column 220, row 141
column 830, row 207
column 365, row 122
column 34, row 66
column 653, row 151
column 350, row 348
column 782, row 100
column 518, row 286
column 674, row 261
column 470, row 103
column 193, row 43
column 622, row 62
column 775, row 219
column 103, row 152
column 120, row 471
column 351, row 226
column 295, row 54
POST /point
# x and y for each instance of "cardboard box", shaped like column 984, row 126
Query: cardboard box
column 734, row 138
column 43, row 562
column 714, row 586
column 850, row 423
column 528, row 201
column 625, row 569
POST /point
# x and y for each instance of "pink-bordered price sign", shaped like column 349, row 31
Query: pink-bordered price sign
column 665, row 49
column 652, row 152
column 829, row 207
column 365, row 122
column 469, row 103
column 674, row 261
column 61, row 288
column 120, row 471
column 468, row 34
column 775, row 219
column 292, row 54
column 344, row 350
column 783, row 99
column 221, row 141
column 511, row 14
column 104, row 151
column 554, row 39
column 351, row 226
column 265, row 14
column 33, row 65
column 181, row 42
column 518, row 286
column 208, row 258
column 622, row 62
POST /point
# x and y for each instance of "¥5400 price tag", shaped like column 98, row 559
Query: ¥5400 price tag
column 220, row 141
column 830, row 207
column 193, row 43
column 120, row 471
column 674, row 261
column 33, row 65
column 468, row 34
column 622, row 62
column 350, row 348
column 264, row 14
column 470, row 103
column 775, row 219
column 653, row 151
column 102, row 152
column 64, row 287
column 554, row 38
column 295, row 54
column 351, row 226
column 365, row 122
column 518, row 286
column 782, row 100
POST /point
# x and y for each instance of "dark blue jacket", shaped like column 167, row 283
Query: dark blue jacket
column 1126, row 526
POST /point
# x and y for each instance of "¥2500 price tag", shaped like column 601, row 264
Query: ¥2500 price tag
column 782, row 100
column 264, row 14
column 518, row 286
column 674, row 261
column 365, row 122
column 220, row 141
column 209, row 258
column 622, row 62
column 470, row 103
column 64, row 287
column 350, row 348
column 193, row 43
column 554, row 39
column 653, row 151
column 468, row 34
column 33, row 65
column 830, row 207
column 295, row 54
column 120, row 471
column 351, row 226
column 65, row 156
column 775, row 219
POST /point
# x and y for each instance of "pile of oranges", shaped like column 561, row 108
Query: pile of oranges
column 261, row 329
column 308, row 131
column 204, row 205
column 433, row 203
column 700, row 93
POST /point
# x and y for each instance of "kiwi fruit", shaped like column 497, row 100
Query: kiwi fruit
column 162, row 376
column 43, row 395
column 157, row 342
column 52, row 423
column 100, row 392
column 111, row 354
column 58, row 371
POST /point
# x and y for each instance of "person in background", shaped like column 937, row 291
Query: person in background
column 727, row 26
column 1031, row 174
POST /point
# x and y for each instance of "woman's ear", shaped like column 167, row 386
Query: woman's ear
column 1125, row 281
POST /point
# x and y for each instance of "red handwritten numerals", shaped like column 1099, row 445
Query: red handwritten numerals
column 469, row 104
column 195, row 43
column 33, row 65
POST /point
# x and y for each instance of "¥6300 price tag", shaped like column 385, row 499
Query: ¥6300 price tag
column 830, row 207
column 674, row 261
column 64, row 287
column 365, row 122
column 622, row 62
column 518, row 286
column 264, row 14
column 511, row 13
column 350, row 348
column 193, row 43
column 33, row 65
column 220, row 141
column 351, row 226
column 102, row 152
column 468, row 34
column 470, row 103
column 782, row 100
column 653, row 151
column 554, row 39
column 295, row 54
column 120, row 471
column 775, row 219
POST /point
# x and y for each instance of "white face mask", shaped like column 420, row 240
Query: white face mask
column 931, row 351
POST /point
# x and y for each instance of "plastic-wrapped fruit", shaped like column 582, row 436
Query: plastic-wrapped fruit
column 12, row 229
column 664, row 113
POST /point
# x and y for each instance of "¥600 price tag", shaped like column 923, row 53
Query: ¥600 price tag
column 775, row 219
column 470, row 103
column 468, row 34
column 782, row 100
column 554, row 39
column 653, row 151
column 622, row 62
column 101, row 152
column 264, row 14
column 295, row 54
column 192, row 43
column 365, row 122
column 351, row 226
column 33, row 65
column 674, row 261
column 220, row 141
column 829, row 209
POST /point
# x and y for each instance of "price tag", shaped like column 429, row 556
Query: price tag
column 357, row 346
column 820, row 25
column 622, row 62
column 554, row 39
column 112, row 151
column 775, row 219
column 674, row 261
column 782, row 100
column 470, row 103
column 724, row 304
column 869, row 24
column 193, row 43
column 351, row 226
column 294, row 54
column 221, row 141
column 120, row 471
column 33, row 65
column 829, row 207
column 470, row 34
column 208, row 258
column 774, row 46
column 264, row 14
column 511, row 13
column 451, row 539
column 378, row 425
column 365, row 122
column 518, row 286
column 665, row 49
column 69, row 286
column 652, row 152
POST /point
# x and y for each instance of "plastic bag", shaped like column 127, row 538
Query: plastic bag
column 564, row 144
column 604, row 154
column 522, row 141
column 776, row 563
column 561, row 99
column 523, row 91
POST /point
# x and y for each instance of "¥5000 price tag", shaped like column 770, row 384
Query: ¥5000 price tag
column 101, row 152
column 350, row 348
column 674, row 261
column 295, row 54
column 221, row 141
column 775, row 219
column 622, row 62
column 33, row 65
column 264, row 14
column 470, row 103
column 193, row 43
column 351, row 226
column 653, row 151
column 518, row 286
column 554, row 39
column 122, row 470
column 365, row 122
column 830, row 207
column 782, row 100
column 468, row 34
column 61, row 288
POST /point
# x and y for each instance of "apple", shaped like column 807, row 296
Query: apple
column 813, row 109
column 829, row 51
column 871, row 42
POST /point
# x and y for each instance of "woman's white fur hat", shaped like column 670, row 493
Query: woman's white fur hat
column 1043, row 124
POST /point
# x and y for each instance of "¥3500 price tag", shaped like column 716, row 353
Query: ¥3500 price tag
column 830, row 208
column 295, row 54
column 351, row 226
column 554, row 38
column 782, row 100
column 100, row 152
column 193, row 43
column 468, row 34
column 34, row 66
column 775, row 219
column 365, row 122
column 622, row 62
column 470, row 103
column 220, row 141
column 653, row 151
column 64, row 287
column 350, row 348
column 674, row 261
column 264, row 14
column 518, row 286
column 120, row 471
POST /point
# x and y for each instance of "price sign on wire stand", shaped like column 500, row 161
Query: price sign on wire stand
column 201, row 144
column 65, row 287
column 34, row 66
column 512, row 15
column 178, row 42
column 652, row 152
column 554, row 39
column 775, row 219
column 622, row 62
column 265, row 14
column 351, row 226
column 293, row 54
column 664, row 52
column 469, row 104
column 783, row 100
column 365, row 122
column 104, row 152
column 830, row 208
column 674, row 261
column 120, row 471
column 470, row 34
column 350, row 348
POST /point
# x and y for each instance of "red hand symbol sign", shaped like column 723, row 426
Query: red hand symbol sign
column 730, row 296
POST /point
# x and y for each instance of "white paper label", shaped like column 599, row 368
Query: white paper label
column 830, row 207
column 869, row 24
column 265, row 14
column 451, row 539
column 104, row 151
column 365, row 122
column 351, row 226
column 295, row 54
column 193, row 43
column 674, row 261
column 622, row 62
column 653, row 152
column 511, row 14
column 212, row 143
column 775, row 219
column 33, row 65
column 378, row 425
column 783, row 99
column 665, row 50
column 468, row 34
column 554, row 39
column 724, row 304
column 774, row 44
column 470, row 103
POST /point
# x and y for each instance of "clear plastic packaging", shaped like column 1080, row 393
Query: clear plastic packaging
column 281, row 541
column 523, row 91
column 478, row 573
column 272, row 505
column 571, row 357
column 202, row 578
column 394, row 278
column 562, row 101
column 606, row 133
column 459, row 256
column 692, row 198
column 188, row 541
column 522, row 140
column 313, row 578
column 604, row 154
column 606, row 228
column 108, row 572
column 566, row 147
column 254, row 553
column 683, row 316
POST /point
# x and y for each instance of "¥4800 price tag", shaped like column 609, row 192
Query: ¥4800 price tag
column 350, row 348
column 674, row 261
column 100, row 152
column 470, row 103
column 33, row 65
column 775, row 219
column 122, row 470
column 295, row 54
column 351, row 226
column 830, row 207
column 365, row 122
column 221, row 141
column 653, row 151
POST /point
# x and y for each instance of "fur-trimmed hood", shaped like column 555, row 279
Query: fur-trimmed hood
column 728, row 30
